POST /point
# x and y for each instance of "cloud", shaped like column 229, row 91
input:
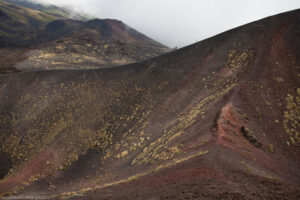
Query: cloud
column 180, row 22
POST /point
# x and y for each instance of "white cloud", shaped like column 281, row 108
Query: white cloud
column 181, row 22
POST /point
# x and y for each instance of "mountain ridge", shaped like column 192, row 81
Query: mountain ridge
column 50, row 9
column 59, row 43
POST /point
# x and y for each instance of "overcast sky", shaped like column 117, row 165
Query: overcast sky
column 181, row 22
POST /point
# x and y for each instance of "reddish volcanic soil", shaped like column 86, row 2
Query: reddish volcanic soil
column 219, row 119
column 198, row 179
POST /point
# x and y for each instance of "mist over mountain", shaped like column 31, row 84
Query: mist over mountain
column 38, row 37
column 177, row 22
column 49, row 9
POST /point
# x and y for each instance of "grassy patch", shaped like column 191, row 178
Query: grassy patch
column 271, row 148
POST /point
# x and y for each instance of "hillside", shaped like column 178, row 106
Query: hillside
column 215, row 120
column 37, row 40
column 17, row 22
column 50, row 9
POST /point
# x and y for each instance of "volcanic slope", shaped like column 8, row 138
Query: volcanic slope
column 50, row 9
column 70, row 44
column 36, row 40
column 16, row 22
column 215, row 120
column 19, row 20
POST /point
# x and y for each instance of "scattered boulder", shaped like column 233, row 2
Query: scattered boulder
column 250, row 137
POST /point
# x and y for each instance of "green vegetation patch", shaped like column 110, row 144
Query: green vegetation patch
column 291, row 120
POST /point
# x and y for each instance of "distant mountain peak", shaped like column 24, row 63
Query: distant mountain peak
column 94, row 43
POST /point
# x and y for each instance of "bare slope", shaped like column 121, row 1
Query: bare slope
column 216, row 120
